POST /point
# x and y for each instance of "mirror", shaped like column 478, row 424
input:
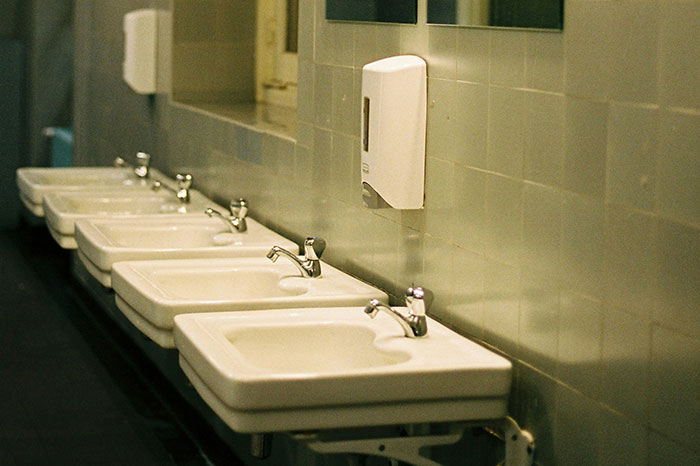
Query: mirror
column 537, row 14
column 376, row 11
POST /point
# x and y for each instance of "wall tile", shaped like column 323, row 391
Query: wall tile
column 678, row 187
column 582, row 245
column 675, row 384
column 335, row 41
column 541, row 230
column 544, row 138
column 323, row 95
column 468, row 221
column 414, row 40
column 442, row 45
column 664, row 451
column 307, row 24
column 621, row 442
column 344, row 166
column 501, row 306
column 410, row 264
column 438, row 263
column 634, row 51
column 507, row 59
column 539, row 321
column 588, row 34
column 466, row 306
column 631, row 261
column 506, row 131
column 679, row 275
column 580, row 335
column 321, row 169
column 439, row 198
column 440, row 135
column 345, row 115
column 365, row 44
column 305, row 93
column 578, row 422
column 473, row 55
column 471, row 124
column 631, row 155
column 679, row 54
column 535, row 409
column 585, row 147
column 388, row 41
column 625, row 368
column 544, row 69
column 503, row 219
column 383, row 237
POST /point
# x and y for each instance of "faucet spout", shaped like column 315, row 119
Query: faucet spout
column 142, row 167
column 236, row 222
column 309, row 264
column 183, row 187
column 143, row 164
column 414, row 324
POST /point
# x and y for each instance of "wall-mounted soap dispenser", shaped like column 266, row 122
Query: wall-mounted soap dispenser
column 394, row 98
column 140, row 40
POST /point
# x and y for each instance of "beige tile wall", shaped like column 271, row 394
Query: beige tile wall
column 562, row 218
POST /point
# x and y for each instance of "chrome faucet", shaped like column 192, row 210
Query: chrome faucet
column 236, row 222
column 143, row 163
column 183, row 187
column 309, row 264
column 414, row 324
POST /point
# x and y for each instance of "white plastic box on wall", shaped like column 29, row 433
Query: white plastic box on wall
column 393, row 119
column 140, row 50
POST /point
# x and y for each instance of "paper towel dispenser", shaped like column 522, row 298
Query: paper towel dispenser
column 394, row 98
column 140, row 41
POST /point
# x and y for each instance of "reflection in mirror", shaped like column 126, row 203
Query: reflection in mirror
column 376, row 11
column 538, row 14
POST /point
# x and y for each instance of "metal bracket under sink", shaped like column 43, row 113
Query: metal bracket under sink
column 406, row 446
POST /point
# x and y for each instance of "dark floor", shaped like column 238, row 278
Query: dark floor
column 68, row 394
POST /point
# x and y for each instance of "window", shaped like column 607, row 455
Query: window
column 276, row 52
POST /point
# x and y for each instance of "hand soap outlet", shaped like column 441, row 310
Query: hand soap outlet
column 394, row 96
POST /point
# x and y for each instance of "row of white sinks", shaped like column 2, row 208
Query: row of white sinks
column 267, row 349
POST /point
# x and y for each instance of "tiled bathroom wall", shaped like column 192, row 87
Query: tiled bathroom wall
column 562, row 216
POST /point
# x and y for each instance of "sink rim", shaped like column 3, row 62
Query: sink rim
column 138, row 291
column 201, row 341
column 103, row 251
column 34, row 191
column 63, row 219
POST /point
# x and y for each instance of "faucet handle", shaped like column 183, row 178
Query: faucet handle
column 119, row 162
column 314, row 247
column 184, row 181
column 143, row 158
column 239, row 208
column 418, row 300
column 143, row 162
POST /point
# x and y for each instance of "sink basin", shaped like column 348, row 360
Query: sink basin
column 34, row 182
column 64, row 208
column 326, row 368
column 152, row 293
column 102, row 242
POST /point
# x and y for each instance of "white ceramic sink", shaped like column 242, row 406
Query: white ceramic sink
column 64, row 208
column 104, row 241
column 324, row 368
column 34, row 182
column 152, row 293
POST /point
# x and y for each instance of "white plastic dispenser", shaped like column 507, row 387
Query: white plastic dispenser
column 394, row 98
column 140, row 39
